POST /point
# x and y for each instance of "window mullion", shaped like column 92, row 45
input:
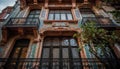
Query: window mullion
column 60, row 18
column 61, row 54
column 66, row 14
column 70, row 55
column 54, row 15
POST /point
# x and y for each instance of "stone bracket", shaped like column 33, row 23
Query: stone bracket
column 4, row 35
column 20, row 31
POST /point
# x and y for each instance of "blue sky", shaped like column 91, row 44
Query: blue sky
column 5, row 3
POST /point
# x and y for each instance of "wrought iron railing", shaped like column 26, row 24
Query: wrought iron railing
column 36, row 63
column 100, row 21
column 86, row 11
column 23, row 22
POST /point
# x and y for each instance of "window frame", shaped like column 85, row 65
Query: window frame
column 32, row 16
column 61, row 61
column 20, row 44
column 70, row 47
column 66, row 11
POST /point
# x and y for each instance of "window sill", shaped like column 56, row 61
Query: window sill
column 68, row 21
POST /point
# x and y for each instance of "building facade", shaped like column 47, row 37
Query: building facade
column 38, row 34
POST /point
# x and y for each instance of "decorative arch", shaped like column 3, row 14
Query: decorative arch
column 59, row 32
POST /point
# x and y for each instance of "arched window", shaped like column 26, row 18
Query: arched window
column 60, row 53
column 19, row 52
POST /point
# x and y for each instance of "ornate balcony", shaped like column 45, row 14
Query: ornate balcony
column 23, row 22
column 20, row 26
column 103, row 22
column 36, row 63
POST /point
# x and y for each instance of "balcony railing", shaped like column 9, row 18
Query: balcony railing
column 23, row 22
column 36, row 63
column 86, row 11
column 100, row 21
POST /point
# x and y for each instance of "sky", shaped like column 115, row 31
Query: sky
column 5, row 3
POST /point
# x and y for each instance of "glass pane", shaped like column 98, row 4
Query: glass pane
column 75, row 53
column 36, row 16
column 88, row 53
column 56, row 65
column 32, row 12
column 65, row 53
column 63, row 16
column 31, row 16
column 73, row 42
column 16, row 53
column 34, row 21
column 47, row 42
column 110, row 54
column 56, row 53
column 65, row 42
column 24, row 52
column 46, row 52
column 57, row 16
column 56, row 42
column 37, row 11
column 29, row 21
column 107, row 54
column 68, row 12
column 69, row 16
column 51, row 16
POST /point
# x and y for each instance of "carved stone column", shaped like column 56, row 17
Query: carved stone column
column 82, row 51
column 73, row 3
column 40, row 45
column 35, row 33
column 4, row 34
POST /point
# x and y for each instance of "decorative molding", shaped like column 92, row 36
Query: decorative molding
column 22, row 4
column 4, row 35
column 60, row 24
column 46, row 4
column 35, row 1
column 73, row 3
column 20, row 31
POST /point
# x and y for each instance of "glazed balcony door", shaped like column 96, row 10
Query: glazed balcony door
column 60, row 53
column 19, row 52
column 33, row 16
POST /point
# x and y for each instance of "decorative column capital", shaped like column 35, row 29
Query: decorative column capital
column 35, row 2
column 73, row 3
column 22, row 4
column 46, row 3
